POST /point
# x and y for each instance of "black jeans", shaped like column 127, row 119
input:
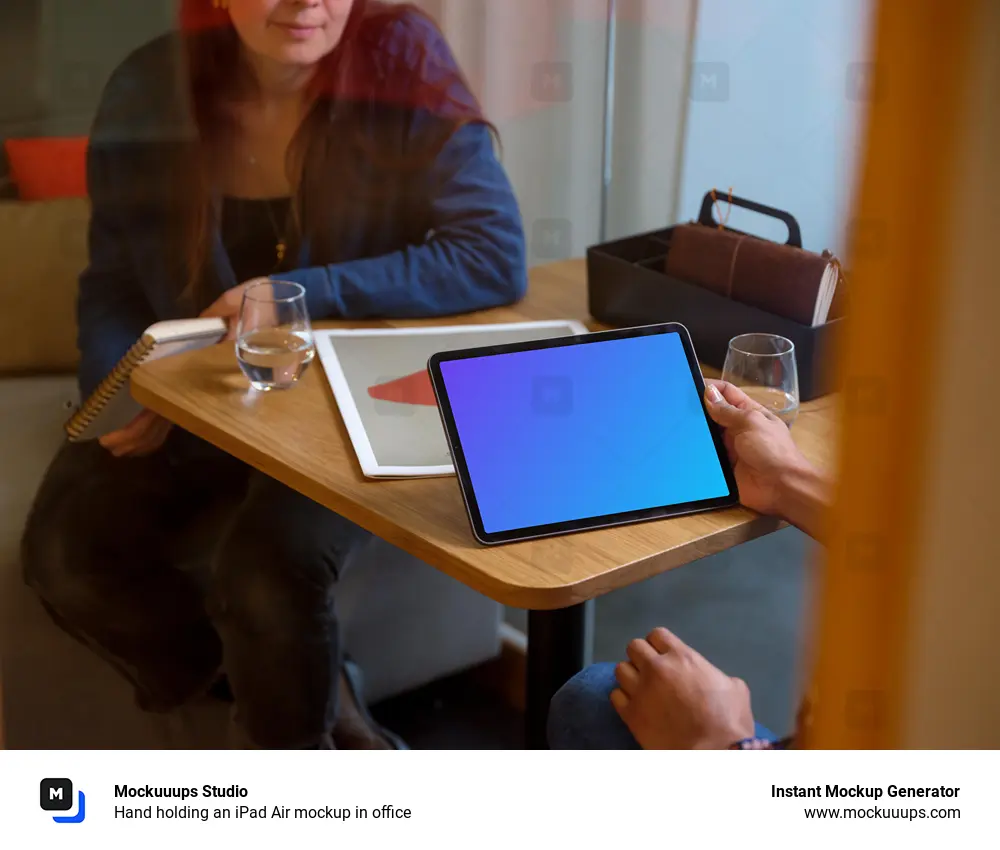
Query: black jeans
column 187, row 563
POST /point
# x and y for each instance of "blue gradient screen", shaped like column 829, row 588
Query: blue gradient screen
column 582, row 431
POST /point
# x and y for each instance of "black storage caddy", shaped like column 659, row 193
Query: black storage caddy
column 627, row 286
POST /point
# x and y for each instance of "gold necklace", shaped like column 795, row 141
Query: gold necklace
column 281, row 246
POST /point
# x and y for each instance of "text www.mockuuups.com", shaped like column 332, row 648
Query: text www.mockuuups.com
column 880, row 812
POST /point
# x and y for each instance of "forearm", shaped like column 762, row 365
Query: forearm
column 437, row 279
column 112, row 314
column 805, row 495
column 475, row 259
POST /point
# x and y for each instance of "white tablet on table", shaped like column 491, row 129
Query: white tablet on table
column 383, row 391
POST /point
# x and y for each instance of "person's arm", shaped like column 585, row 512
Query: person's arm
column 804, row 498
column 112, row 311
column 772, row 474
column 475, row 257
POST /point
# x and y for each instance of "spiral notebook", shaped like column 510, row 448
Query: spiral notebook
column 111, row 406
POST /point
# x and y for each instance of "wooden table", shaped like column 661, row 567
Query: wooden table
column 299, row 438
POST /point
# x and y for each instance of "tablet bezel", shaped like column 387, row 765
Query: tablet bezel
column 572, row 526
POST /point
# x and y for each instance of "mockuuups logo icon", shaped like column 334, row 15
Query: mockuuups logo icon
column 56, row 795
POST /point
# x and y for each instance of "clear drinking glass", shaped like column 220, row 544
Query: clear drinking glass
column 763, row 366
column 274, row 343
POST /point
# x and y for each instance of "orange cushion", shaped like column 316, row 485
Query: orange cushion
column 46, row 169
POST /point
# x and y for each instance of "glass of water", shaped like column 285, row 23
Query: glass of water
column 763, row 366
column 274, row 343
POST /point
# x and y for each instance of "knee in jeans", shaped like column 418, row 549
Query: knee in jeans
column 579, row 705
column 570, row 701
column 267, row 587
column 55, row 566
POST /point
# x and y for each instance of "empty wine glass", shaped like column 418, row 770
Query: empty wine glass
column 763, row 366
column 274, row 343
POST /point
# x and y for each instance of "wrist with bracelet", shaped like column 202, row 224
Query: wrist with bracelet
column 762, row 744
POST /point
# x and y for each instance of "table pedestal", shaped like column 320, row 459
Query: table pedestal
column 557, row 651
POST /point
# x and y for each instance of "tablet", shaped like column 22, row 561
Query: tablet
column 581, row 432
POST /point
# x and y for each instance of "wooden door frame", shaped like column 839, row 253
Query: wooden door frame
column 897, row 259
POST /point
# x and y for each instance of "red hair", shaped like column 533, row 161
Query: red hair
column 366, row 69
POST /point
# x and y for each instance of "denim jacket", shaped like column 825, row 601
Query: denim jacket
column 450, row 240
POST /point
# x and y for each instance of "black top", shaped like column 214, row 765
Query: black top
column 251, row 231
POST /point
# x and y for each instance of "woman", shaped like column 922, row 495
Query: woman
column 329, row 142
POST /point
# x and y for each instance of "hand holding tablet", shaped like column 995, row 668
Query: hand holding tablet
column 575, row 433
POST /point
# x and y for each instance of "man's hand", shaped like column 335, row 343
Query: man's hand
column 772, row 475
column 759, row 444
column 142, row 436
column 227, row 306
column 672, row 698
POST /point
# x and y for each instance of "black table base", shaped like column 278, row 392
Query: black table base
column 557, row 651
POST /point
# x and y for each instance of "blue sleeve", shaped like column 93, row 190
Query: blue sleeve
column 474, row 259
column 112, row 311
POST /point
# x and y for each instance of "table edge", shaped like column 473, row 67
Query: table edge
column 533, row 597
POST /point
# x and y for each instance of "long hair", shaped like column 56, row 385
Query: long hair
column 346, row 154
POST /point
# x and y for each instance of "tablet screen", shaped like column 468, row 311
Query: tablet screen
column 569, row 433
